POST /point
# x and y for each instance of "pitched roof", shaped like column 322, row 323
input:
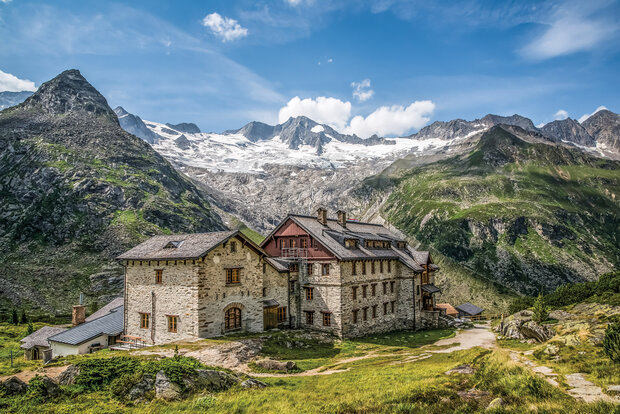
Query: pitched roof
column 106, row 309
column 450, row 310
column 278, row 264
column 469, row 309
column 332, row 235
column 40, row 336
column 430, row 288
column 110, row 324
column 194, row 246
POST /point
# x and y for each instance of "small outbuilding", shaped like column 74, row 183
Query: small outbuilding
column 450, row 310
column 35, row 344
column 468, row 310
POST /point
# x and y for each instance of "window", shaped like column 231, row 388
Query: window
column 418, row 289
column 374, row 311
column 309, row 317
column 355, row 312
column 373, row 289
column 354, row 289
column 264, row 292
column 363, row 268
column 392, row 283
column 159, row 273
column 310, row 268
column 372, row 267
column 389, row 266
column 282, row 314
column 385, row 288
column 354, row 267
column 292, row 286
column 293, row 267
column 392, row 306
column 380, row 266
column 232, row 318
column 325, row 269
column 303, row 243
column 282, row 243
column 172, row 323
column 385, row 304
column 327, row 319
column 233, row 247
column 232, row 276
column 144, row 320
column 364, row 287
column 293, row 243
column 309, row 293
column 365, row 313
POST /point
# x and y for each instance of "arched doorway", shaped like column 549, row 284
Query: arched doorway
column 232, row 318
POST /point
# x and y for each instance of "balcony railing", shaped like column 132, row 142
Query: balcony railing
column 293, row 252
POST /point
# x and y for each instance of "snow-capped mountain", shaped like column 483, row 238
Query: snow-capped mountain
column 134, row 125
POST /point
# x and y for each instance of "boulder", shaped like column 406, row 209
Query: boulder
column 496, row 403
column 540, row 333
column 68, row 375
column 50, row 387
column 461, row 369
column 213, row 380
column 274, row 365
column 552, row 349
column 14, row 385
column 138, row 391
column 611, row 388
column 253, row 383
column 522, row 327
column 165, row 389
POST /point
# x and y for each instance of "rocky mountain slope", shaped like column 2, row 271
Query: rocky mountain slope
column 528, row 213
column 134, row 125
column 604, row 126
column 76, row 190
column 8, row 99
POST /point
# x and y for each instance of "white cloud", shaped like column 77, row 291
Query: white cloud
column 330, row 60
column 385, row 121
column 560, row 114
column 12, row 83
column 5, row 1
column 392, row 120
column 330, row 111
column 571, row 28
column 224, row 27
column 293, row 2
column 586, row 116
column 362, row 91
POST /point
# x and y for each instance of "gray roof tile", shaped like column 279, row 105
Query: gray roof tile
column 106, row 309
column 110, row 324
column 40, row 336
column 469, row 309
column 193, row 246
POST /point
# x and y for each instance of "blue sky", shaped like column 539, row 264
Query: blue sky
column 379, row 66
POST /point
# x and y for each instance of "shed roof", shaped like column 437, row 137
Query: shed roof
column 469, row 309
column 430, row 288
column 450, row 310
column 40, row 336
column 110, row 324
column 106, row 309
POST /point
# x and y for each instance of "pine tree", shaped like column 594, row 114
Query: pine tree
column 541, row 311
column 23, row 318
column 30, row 328
column 14, row 317
column 611, row 343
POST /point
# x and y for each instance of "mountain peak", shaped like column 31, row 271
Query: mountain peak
column 69, row 92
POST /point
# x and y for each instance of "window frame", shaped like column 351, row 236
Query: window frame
column 364, row 291
column 159, row 276
column 233, row 276
column 144, row 320
column 392, row 285
column 374, row 311
column 309, row 317
column 327, row 318
column 309, row 293
column 173, row 323
column 373, row 289
column 282, row 312
column 235, row 314
column 325, row 269
column 355, row 312
column 354, row 292
column 233, row 247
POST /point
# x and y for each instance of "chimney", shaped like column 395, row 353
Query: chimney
column 321, row 216
column 342, row 218
column 78, row 316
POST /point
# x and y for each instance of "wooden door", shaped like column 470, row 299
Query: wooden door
column 270, row 317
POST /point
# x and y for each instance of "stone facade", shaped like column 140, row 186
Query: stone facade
column 197, row 294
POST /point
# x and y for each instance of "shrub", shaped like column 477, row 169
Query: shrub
column 609, row 282
column 611, row 343
column 520, row 303
column 540, row 309
column 96, row 372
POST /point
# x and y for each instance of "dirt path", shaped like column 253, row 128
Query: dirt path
column 52, row 372
column 480, row 336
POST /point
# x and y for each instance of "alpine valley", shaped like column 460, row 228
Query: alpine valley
column 506, row 208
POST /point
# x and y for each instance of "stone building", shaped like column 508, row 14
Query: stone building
column 352, row 278
column 202, row 285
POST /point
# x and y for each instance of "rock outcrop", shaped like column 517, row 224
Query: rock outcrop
column 521, row 326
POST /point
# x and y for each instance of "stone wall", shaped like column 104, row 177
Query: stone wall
column 326, row 298
column 196, row 291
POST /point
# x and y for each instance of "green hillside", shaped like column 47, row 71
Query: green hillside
column 527, row 214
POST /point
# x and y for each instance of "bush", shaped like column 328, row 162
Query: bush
column 611, row 343
column 609, row 282
column 520, row 303
column 96, row 372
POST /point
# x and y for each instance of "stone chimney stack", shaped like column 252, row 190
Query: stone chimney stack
column 78, row 316
column 321, row 216
column 342, row 218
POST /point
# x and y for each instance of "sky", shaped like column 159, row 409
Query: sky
column 385, row 67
